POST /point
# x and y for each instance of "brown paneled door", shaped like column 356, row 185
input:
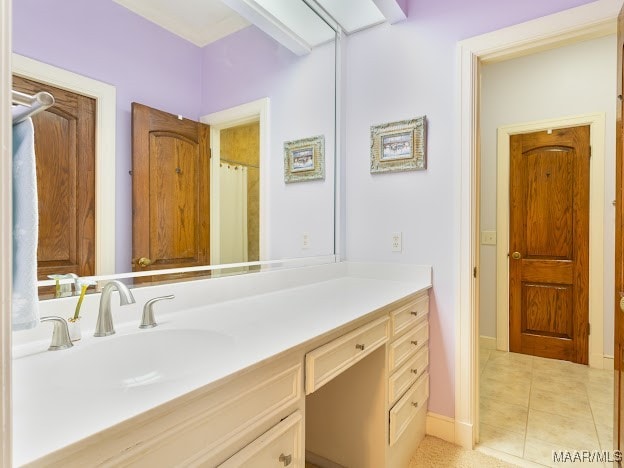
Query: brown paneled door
column 548, row 244
column 65, row 158
column 618, row 423
column 170, row 190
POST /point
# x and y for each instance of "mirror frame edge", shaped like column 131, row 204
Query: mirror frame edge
column 6, row 445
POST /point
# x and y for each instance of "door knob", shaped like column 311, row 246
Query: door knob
column 143, row 261
column 516, row 255
column 622, row 304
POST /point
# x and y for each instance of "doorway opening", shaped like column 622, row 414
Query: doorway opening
column 250, row 121
column 534, row 398
column 593, row 20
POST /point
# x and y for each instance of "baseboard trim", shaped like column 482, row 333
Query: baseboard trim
column 600, row 361
column 441, row 427
column 320, row 461
column 464, row 435
column 607, row 363
column 487, row 342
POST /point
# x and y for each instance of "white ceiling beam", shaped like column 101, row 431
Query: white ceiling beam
column 393, row 10
column 264, row 20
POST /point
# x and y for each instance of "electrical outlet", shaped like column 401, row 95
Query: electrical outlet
column 397, row 242
column 305, row 241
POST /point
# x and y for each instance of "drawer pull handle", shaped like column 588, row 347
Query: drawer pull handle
column 415, row 404
column 360, row 347
column 414, row 313
column 414, row 342
column 414, row 371
column 285, row 459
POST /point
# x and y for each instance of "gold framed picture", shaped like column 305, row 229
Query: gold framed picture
column 398, row 146
column 304, row 159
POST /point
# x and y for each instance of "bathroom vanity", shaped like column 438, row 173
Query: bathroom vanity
column 327, row 363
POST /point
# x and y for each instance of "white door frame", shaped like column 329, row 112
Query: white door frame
column 255, row 111
column 106, row 110
column 596, row 123
column 588, row 21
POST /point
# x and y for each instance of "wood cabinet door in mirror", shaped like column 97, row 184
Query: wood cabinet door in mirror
column 65, row 158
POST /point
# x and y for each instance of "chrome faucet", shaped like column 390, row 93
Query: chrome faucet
column 60, row 334
column 104, row 325
column 147, row 320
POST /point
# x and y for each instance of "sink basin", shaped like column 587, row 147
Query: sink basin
column 138, row 359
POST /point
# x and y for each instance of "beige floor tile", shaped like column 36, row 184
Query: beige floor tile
column 501, row 440
column 603, row 413
column 562, row 430
column 601, row 392
column 542, row 452
column 504, row 415
column 519, row 360
column 483, row 359
column 507, row 371
column 544, row 381
column 605, row 436
column 514, row 391
column 560, row 374
column 553, row 401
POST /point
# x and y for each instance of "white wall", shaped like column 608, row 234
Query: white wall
column 572, row 80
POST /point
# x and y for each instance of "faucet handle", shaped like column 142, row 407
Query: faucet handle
column 60, row 334
column 148, row 321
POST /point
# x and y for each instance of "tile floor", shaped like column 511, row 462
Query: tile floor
column 531, row 406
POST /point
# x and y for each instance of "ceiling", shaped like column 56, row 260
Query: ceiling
column 290, row 22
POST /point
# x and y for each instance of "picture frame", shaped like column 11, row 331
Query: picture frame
column 304, row 159
column 398, row 146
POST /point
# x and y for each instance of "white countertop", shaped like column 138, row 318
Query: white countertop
column 48, row 415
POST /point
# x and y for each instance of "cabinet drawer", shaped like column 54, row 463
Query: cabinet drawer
column 405, row 346
column 236, row 411
column 324, row 363
column 281, row 445
column 408, row 315
column 405, row 410
column 407, row 374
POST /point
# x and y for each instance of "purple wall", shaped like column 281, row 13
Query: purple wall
column 249, row 65
column 242, row 67
column 422, row 205
column 111, row 44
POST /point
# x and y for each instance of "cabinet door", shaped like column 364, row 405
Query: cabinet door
column 280, row 446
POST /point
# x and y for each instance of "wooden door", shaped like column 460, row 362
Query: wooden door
column 170, row 190
column 618, row 423
column 65, row 158
column 548, row 245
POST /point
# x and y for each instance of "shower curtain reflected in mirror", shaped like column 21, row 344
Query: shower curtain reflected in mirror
column 233, row 216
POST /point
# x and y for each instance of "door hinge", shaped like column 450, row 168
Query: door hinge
column 590, row 151
column 589, row 328
column 474, row 272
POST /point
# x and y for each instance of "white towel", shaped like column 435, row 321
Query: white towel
column 25, row 310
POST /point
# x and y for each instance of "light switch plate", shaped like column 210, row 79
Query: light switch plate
column 488, row 237
column 305, row 240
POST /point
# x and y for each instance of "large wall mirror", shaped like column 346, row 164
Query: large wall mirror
column 166, row 145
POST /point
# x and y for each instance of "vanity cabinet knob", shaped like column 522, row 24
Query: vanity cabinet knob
column 360, row 347
column 414, row 342
column 414, row 371
column 415, row 405
column 415, row 314
column 285, row 459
